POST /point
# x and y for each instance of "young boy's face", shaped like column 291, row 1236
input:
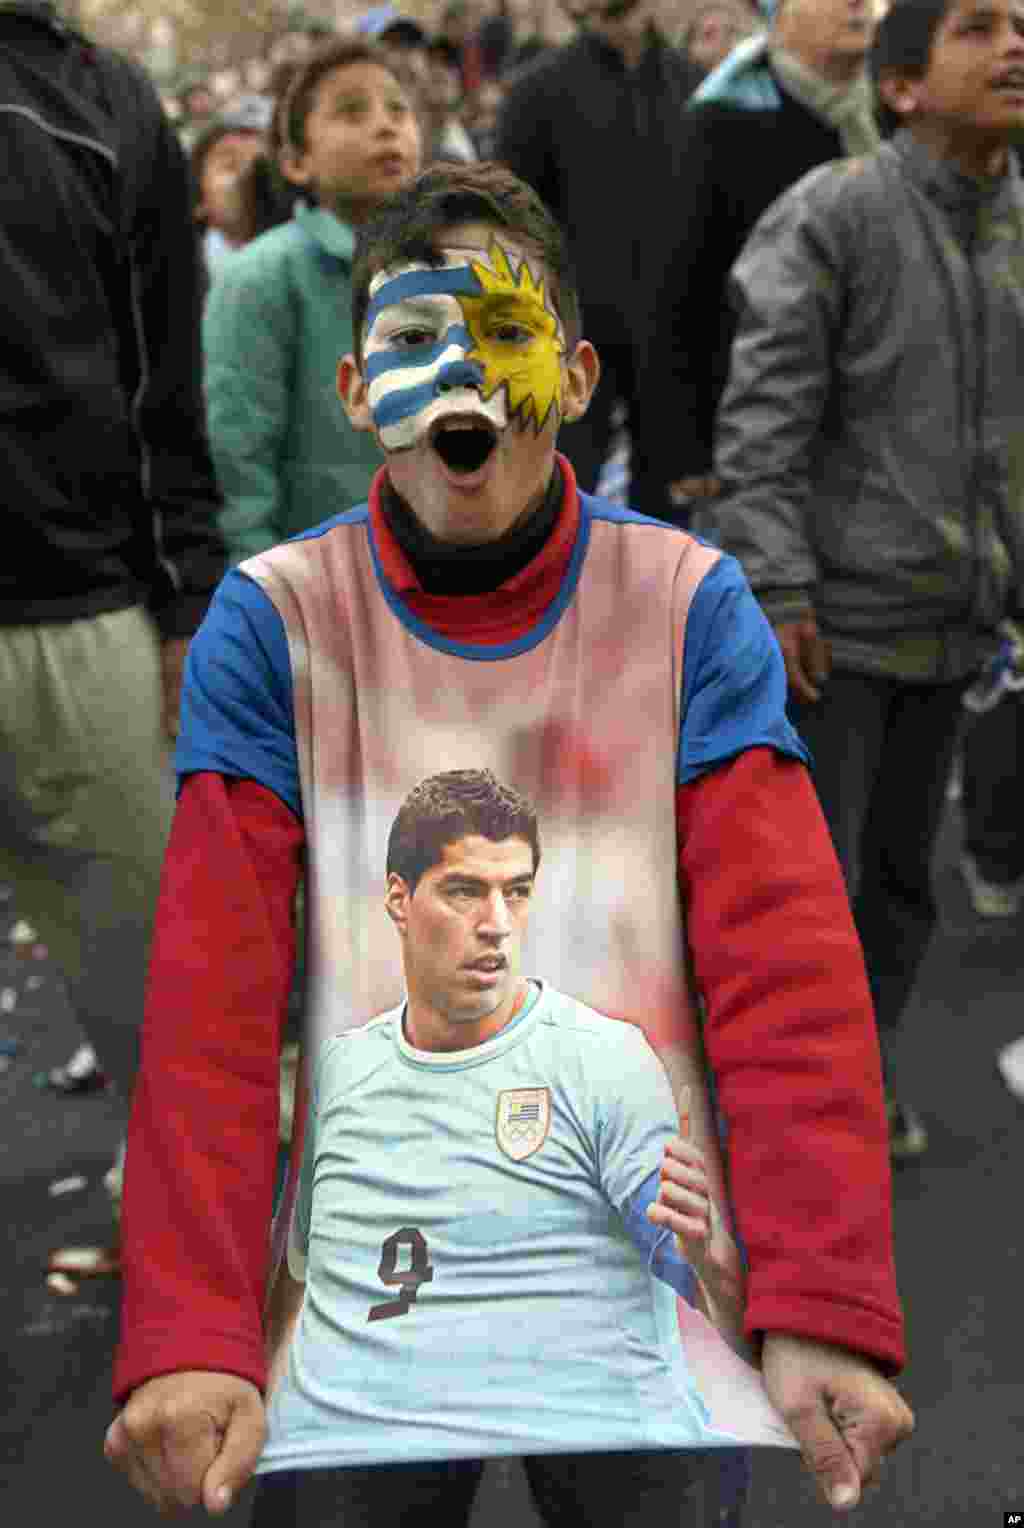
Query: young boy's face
column 220, row 205
column 465, row 381
column 362, row 140
column 975, row 77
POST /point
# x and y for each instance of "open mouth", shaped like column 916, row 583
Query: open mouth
column 463, row 444
column 489, row 965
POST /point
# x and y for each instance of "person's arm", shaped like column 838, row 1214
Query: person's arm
column 178, row 531
column 789, row 289
column 202, row 1149
column 791, row 1042
column 636, row 1148
column 288, row 1290
column 525, row 136
column 693, row 313
column 249, row 341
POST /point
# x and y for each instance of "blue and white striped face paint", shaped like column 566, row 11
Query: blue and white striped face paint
column 426, row 353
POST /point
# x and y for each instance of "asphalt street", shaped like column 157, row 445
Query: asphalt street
column 959, row 1258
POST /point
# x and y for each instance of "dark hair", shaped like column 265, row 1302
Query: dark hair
column 447, row 807
column 300, row 94
column 408, row 228
column 204, row 146
column 903, row 45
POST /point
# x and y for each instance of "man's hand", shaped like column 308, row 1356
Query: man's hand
column 172, row 663
column 188, row 1438
column 808, row 656
column 687, row 1206
column 843, row 1413
column 685, row 490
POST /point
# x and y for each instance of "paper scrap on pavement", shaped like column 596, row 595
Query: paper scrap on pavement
column 61, row 1284
column 68, row 1185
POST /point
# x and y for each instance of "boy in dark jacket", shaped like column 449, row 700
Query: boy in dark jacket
column 872, row 458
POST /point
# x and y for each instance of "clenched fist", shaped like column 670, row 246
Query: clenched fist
column 188, row 1438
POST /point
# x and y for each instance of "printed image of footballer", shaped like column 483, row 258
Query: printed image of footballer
column 498, row 1193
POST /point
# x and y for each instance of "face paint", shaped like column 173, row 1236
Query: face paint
column 469, row 337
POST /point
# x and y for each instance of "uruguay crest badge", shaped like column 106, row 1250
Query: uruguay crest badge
column 524, row 1117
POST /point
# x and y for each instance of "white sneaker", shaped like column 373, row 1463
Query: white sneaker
column 989, row 898
column 113, row 1181
column 1010, row 1062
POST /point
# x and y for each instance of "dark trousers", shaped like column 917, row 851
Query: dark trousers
column 993, row 792
column 617, row 1490
column 587, row 440
column 881, row 753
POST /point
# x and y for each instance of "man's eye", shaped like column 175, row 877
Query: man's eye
column 408, row 339
column 512, row 334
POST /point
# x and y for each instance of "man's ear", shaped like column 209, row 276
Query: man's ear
column 295, row 166
column 354, row 394
column 900, row 92
column 583, row 371
column 396, row 902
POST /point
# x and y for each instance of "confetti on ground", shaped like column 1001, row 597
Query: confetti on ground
column 86, row 1262
column 22, row 933
column 61, row 1284
column 68, row 1185
column 8, row 1000
column 33, row 984
column 9, row 1046
column 39, row 952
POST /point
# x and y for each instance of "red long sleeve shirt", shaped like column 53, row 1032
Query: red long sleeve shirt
column 789, row 1034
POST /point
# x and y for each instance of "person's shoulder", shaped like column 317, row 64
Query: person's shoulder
column 548, row 69
column 269, row 251
column 356, row 1052
column 599, row 1036
column 840, row 193
column 261, row 268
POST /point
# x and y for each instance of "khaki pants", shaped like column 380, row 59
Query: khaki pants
column 86, row 800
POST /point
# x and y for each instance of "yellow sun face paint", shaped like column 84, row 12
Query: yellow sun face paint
column 517, row 339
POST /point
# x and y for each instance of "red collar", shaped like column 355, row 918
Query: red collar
column 502, row 615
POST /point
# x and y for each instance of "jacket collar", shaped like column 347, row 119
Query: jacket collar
column 743, row 78
column 43, row 11
column 961, row 196
column 602, row 49
column 325, row 230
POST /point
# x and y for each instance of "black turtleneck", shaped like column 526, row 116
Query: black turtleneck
column 444, row 568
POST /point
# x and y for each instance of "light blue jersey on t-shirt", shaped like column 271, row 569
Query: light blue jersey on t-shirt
column 480, row 1276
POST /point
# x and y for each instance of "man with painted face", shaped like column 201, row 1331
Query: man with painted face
column 480, row 610
column 597, row 128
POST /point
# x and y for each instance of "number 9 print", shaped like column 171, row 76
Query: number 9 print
column 420, row 1271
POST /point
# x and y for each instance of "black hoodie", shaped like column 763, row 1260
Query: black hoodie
column 108, row 490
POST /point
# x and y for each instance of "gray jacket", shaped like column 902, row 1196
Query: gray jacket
column 871, row 437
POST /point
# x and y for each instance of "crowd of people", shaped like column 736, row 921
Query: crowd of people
column 433, row 285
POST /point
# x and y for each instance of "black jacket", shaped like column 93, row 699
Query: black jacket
column 739, row 160
column 109, row 493
column 603, row 147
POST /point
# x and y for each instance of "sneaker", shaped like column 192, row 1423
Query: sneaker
column 907, row 1135
column 113, row 1181
column 82, row 1074
column 989, row 898
column 1010, row 1062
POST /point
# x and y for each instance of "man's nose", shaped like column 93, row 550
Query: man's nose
column 457, row 374
column 497, row 920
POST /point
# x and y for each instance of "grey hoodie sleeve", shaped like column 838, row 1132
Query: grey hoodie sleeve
column 788, row 288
